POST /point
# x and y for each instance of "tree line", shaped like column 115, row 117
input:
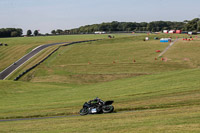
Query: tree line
column 115, row 26
column 35, row 33
column 11, row 32
column 155, row 26
column 16, row 32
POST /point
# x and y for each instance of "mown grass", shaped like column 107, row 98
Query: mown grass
column 19, row 46
column 34, row 60
column 174, row 120
column 163, row 102
column 185, row 51
column 164, row 98
column 172, row 89
column 107, row 60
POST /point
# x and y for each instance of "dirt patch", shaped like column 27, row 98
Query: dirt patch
column 186, row 59
column 94, row 78
column 86, row 78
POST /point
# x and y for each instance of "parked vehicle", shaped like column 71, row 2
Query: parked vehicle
column 97, row 106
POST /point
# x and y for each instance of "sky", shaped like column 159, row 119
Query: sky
column 47, row 15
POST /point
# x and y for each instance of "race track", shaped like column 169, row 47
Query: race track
column 9, row 70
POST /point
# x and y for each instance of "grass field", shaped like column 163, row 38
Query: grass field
column 160, row 102
column 171, row 120
column 34, row 60
column 18, row 47
column 163, row 96
column 108, row 60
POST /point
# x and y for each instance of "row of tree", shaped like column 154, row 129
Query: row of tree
column 16, row 32
column 11, row 32
column 193, row 25
column 35, row 33
column 155, row 26
column 60, row 32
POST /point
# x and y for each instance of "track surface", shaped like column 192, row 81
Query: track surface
column 38, row 118
column 168, row 47
column 9, row 70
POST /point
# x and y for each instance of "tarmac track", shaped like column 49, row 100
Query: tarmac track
column 172, row 43
column 9, row 70
column 37, row 118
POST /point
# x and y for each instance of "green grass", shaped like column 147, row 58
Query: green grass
column 164, row 96
column 149, row 121
column 187, row 52
column 34, row 60
column 19, row 46
column 163, row 102
column 93, row 62
column 172, row 89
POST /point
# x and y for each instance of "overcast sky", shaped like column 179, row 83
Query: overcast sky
column 47, row 15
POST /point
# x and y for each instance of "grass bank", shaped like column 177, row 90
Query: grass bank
column 171, row 89
column 161, row 102
column 112, row 59
column 19, row 46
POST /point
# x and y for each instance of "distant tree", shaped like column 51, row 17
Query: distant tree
column 134, row 26
column 10, row 32
column 46, row 34
column 59, row 31
column 198, row 25
column 53, row 32
column 67, row 31
column 114, row 26
column 151, row 26
column 192, row 25
column 36, row 33
column 14, row 34
column 29, row 32
column 186, row 21
column 19, row 32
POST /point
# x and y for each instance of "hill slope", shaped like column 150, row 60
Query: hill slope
column 109, row 60
column 171, row 89
column 170, row 99
column 164, row 98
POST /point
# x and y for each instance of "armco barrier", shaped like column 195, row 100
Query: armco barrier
column 29, row 69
